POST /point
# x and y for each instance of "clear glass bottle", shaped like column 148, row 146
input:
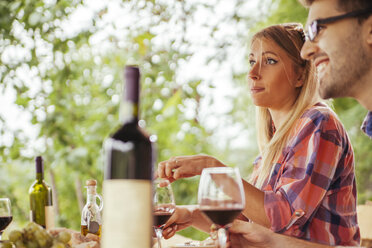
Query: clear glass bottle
column 91, row 221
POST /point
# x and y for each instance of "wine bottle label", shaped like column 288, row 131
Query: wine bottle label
column 127, row 217
column 32, row 216
column 49, row 217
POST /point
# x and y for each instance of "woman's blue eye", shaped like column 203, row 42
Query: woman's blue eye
column 271, row 61
column 252, row 62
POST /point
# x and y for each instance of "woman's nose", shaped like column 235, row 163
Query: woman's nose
column 254, row 72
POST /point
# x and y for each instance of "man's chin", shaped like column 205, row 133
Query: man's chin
column 324, row 95
column 326, row 90
column 330, row 93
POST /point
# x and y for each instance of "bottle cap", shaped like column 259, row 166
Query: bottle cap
column 91, row 182
column 132, row 76
column 39, row 164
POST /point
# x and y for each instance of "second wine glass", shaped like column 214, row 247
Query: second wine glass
column 164, row 206
column 221, row 198
column 5, row 214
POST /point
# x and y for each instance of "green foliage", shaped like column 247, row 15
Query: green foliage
column 68, row 81
column 287, row 11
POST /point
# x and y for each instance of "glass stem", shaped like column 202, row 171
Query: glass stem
column 159, row 235
column 222, row 237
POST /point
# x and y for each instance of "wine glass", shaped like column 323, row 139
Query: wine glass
column 5, row 214
column 164, row 206
column 221, row 198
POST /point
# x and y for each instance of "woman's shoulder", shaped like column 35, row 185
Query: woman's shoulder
column 320, row 120
column 318, row 110
column 320, row 117
column 320, row 113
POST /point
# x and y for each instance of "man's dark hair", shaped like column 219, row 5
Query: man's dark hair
column 347, row 6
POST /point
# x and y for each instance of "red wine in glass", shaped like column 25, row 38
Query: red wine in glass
column 4, row 222
column 221, row 198
column 5, row 214
column 222, row 217
column 164, row 206
column 160, row 218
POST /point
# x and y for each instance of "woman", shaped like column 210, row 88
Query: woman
column 303, row 182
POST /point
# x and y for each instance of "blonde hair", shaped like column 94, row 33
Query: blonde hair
column 290, row 37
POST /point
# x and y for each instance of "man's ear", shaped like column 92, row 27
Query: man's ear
column 368, row 26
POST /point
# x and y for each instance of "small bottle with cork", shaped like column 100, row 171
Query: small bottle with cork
column 91, row 221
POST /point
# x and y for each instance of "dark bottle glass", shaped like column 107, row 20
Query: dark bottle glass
column 127, row 188
column 41, row 203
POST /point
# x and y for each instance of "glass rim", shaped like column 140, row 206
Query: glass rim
column 220, row 169
column 161, row 180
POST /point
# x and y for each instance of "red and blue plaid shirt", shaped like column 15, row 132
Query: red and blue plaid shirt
column 311, row 192
column 367, row 124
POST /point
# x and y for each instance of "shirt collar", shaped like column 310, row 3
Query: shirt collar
column 367, row 125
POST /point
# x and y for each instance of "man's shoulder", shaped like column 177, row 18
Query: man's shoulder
column 367, row 125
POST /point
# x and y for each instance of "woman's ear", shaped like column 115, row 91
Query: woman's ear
column 300, row 73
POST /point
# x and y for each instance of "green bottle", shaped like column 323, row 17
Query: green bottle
column 41, row 204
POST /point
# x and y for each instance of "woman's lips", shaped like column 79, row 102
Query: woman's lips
column 256, row 89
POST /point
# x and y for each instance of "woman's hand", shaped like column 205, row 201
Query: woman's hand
column 185, row 166
column 250, row 235
column 180, row 219
column 245, row 234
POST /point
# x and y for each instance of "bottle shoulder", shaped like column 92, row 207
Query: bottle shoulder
column 130, row 131
column 38, row 188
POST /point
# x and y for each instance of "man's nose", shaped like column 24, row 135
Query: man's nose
column 308, row 50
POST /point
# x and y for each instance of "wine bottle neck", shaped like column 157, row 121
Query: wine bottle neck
column 129, row 112
column 39, row 168
column 129, row 108
column 39, row 176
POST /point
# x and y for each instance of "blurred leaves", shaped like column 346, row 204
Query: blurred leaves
column 63, row 60
column 63, row 63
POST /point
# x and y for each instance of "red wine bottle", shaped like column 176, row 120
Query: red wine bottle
column 127, row 188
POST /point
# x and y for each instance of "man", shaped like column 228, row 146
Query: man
column 339, row 41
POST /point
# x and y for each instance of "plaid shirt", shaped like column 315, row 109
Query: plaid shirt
column 311, row 192
column 367, row 125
